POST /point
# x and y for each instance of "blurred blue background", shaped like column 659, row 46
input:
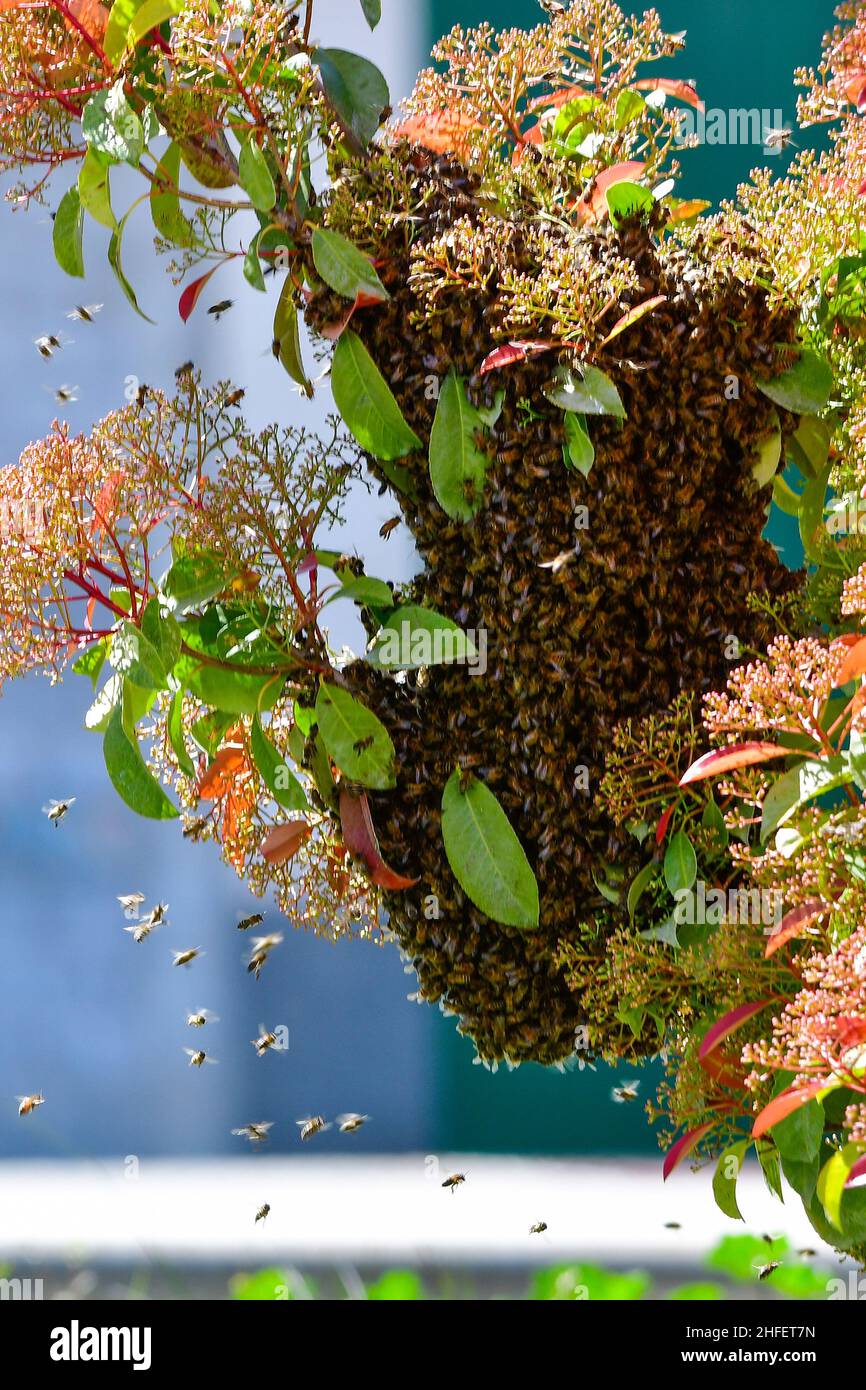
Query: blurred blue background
column 97, row 1022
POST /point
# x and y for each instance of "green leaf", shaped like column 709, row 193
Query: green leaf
column 346, row 269
column 804, row 388
column 151, row 14
column 800, row 785
column 713, row 820
column 92, row 660
column 115, row 263
column 369, row 592
column 280, row 781
column 809, row 445
column 111, row 128
column 119, row 19
column 356, row 90
column 165, row 211
column 129, row 774
column 137, row 659
column 193, row 579
column 458, row 466
column 287, row 335
column 357, row 741
column 254, row 176
column 94, row 191
column 578, row 451
column 629, row 105
column 768, row 1157
column 68, row 230
column 396, row 1284
column 176, row 738
column 485, row 855
column 162, row 631
column 625, row 199
column 365, row 402
column 768, row 453
column 798, row 1138
column 725, row 1179
column 681, row 864
column 832, row 1179
column 785, row 498
column 209, row 731
column 253, row 273
column 320, row 768
column 590, row 391
column 372, row 13
column 232, row 691
column 638, row 885
column 412, row 637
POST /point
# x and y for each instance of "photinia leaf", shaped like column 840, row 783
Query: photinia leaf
column 633, row 316
column 626, row 199
column 94, row 192
column 683, row 1147
column 664, row 822
column 92, row 660
column 681, row 864
column 359, row 837
column 119, row 20
column 253, row 273
column 804, row 388
column 366, row 403
column 588, row 390
column 412, row 637
column 355, row 89
column 346, row 269
column 443, row 132
column 127, row 769
column 67, row 235
column 190, row 296
column 280, row 781
column 594, row 205
column 176, row 738
column 165, row 211
column 790, row 1100
column 355, row 739
column 833, row 1179
column 800, row 785
column 110, row 127
column 578, row 451
column 369, row 592
column 228, row 760
column 672, row 87
column 149, row 16
column 793, row 924
column 854, row 663
column 734, row 756
column 485, row 855
column 283, row 842
column 725, row 1180
column 287, row 336
column 254, row 176
column 856, row 1171
column 458, row 465
column 729, row 1023
column 114, row 261
column 638, row 885
column 193, row 579
column 372, row 11
column 510, row 353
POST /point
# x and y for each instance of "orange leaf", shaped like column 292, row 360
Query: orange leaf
column 674, row 87
column 633, row 316
column 91, row 15
column 284, row 841
column 554, row 100
column 443, row 132
column 787, row 1102
column 734, row 756
column 104, row 503
column 792, row 924
column 359, row 837
column 855, row 91
column 689, row 207
column 593, row 205
column 854, row 663
column 229, row 760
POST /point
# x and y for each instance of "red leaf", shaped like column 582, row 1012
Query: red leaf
column 855, row 91
column 786, row 1103
column 359, row 838
column 190, row 296
column 726, row 759
column 104, row 503
column 594, row 203
column 443, row 132
column 729, row 1023
column 554, row 100
column 284, row 841
column 853, row 664
column 684, row 1146
column 515, row 352
column 633, row 316
column 662, row 827
column 792, row 924
column 723, row 1069
column 674, row 86
column 363, row 300
column 858, row 1170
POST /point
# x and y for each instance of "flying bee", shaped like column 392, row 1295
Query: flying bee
column 140, row 395
column 85, row 312
column 807, row 1252
column 27, row 1104
column 156, row 916
column 262, row 946
column 66, row 394
column 140, row 931
column 251, row 921
column 217, row 310
column 183, row 370
column 538, row 1228
column 764, row 1271
column 673, row 1226
column 311, row 1126
column 262, row 1212
column 47, row 345
column 559, row 561
column 130, row 902
column 348, row 1124
column 264, row 1042
column 235, row 397
column 454, row 1181
column 186, row 957
column 200, row 1017
column 197, row 1057
column 779, row 137
column 56, row 810
column 626, row 1093
column 257, row 1133
column 388, row 526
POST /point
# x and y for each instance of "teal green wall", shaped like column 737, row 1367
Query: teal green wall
column 740, row 53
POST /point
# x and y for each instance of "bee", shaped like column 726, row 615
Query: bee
column 257, row 1133
column 86, row 313
column 47, row 345
column 312, row 1125
column 195, row 828
column 130, row 902
column 673, row 1226
column 156, row 917
column 141, row 395
column 766, row 1270
column 262, row 1212
column 235, row 397
column 388, row 526
column 559, row 561
column 538, row 1228
column 140, row 931
column 183, row 370
column 251, row 921
column 626, row 1093
column 217, row 310
column 454, row 1181
column 186, row 957
column 348, row 1124
column 65, row 394
column 778, row 137
column 361, row 744
column 264, row 1042
column 56, row 810
column 197, row 1057
column 262, row 946
column 27, row 1104
column 200, row 1017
